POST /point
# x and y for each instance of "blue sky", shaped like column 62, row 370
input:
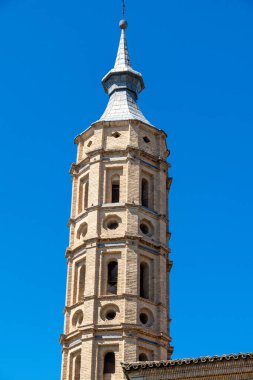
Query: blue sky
column 196, row 59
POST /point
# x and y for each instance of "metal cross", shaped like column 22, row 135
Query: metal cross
column 123, row 9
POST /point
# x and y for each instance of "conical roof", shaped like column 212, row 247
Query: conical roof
column 123, row 84
column 123, row 59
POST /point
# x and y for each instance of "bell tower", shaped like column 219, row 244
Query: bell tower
column 117, row 297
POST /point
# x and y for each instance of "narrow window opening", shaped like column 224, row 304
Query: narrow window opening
column 115, row 189
column 143, row 318
column 89, row 143
column 78, row 368
column 112, row 279
column 143, row 358
column 86, row 194
column 146, row 139
column 80, row 200
column 81, row 283
column 109, row 363
column 83, row 194
column 116, row 134
column 144, row 280
column 144, row 193
column 76, row 284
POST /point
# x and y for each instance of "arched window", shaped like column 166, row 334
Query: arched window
column 144, row 280
column 77, row 368
column 144, row 193
column 82, row 231
column 143, row 358
column 109, row 362
column 86, row 194
column 77, row 318
column 112, row 277
column 115, row 189
column 81, row 282
column 83, row 194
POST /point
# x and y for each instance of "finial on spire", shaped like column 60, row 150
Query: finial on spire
column 123, row 9
column 123, row 22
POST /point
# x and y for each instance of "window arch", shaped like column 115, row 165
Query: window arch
column 144, row 280
column 144, row 192
column 77, row 373
column 81, row 282
column 109, row 362
column 112, row 277
column 115, row 190
column 82, row 230
column 77, row 318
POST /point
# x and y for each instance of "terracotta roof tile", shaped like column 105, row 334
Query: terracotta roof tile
column 186, row 361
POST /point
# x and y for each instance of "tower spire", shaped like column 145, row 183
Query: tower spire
column 123, row 84
column 123, row 59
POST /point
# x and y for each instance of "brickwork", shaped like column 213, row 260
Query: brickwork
column 118, row 255
column 93, row 246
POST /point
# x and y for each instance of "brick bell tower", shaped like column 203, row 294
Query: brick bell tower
column 117, row 298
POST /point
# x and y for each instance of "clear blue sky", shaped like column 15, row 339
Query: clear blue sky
column 196, row 58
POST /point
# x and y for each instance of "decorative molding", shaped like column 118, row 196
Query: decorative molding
column 75, row 343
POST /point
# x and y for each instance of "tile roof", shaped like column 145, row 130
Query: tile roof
column 123, row 106
column 187, row 361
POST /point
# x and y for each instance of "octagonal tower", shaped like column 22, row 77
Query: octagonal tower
column 117, row 298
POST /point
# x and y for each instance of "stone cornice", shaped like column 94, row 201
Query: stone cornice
column 127, row 240
column 113, row 298
column 125, row 330
column 126, row 153
column 65, row 338
column 115, row 207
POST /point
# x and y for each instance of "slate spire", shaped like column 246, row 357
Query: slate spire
column 123, row 84
column 123, row 59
